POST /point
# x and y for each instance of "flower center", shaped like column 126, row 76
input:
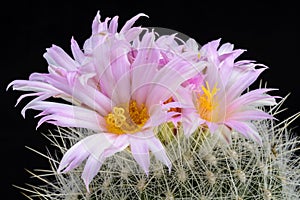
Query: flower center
column 127, row 119
column 207, row 102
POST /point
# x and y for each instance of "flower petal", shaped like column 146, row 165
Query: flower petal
column 224, row 134
column 140, row 151
column 58, row 57
column 246, row 129
column 158, row 150
column 247, row 115
column 92, row 166
column 68, row 115
column 253, row 98
column 76, row 51
column 130, row 22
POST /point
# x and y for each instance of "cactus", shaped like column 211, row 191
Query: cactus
column 202, row 168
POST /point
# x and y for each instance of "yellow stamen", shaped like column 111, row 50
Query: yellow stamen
column 127, row 119
column 207, row 102
column 199, row 55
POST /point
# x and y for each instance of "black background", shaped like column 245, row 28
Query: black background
column 269, row 33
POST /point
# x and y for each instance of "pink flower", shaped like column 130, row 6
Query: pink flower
column 220, row 103
column 115, row 88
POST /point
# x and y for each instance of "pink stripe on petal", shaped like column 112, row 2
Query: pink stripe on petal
column 91, row 169
column 242, row 83
column 141, row 81
column 246, row 129
column 92, row 146
column 140, row 152
column 72, row 158
column 253, row 98
column 68, row 115
column 119, row 62
column 121, row 93
column 224, row 133
column 158, row 150
column 241, row 127
column 250, row 115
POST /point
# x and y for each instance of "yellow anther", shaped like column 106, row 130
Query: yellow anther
column 127, row 119
column 118, row 111
column 207, row 102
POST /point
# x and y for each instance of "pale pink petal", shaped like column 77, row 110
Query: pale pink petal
column 192, row 45
column 238, row 126
column 91, row 169
column 120, row 68
column 107, row 146
column 212, row 126
column 225, row 48
column 253, row 133
column 247, row 115
column 119, row 144
column 91, row 145
column 169, row 78
column 119, row 59
column 227, row 65
column 130, row 22
column 121, row 93
column 29, row 95
column 140, row 151
column 141, row 81
column 159, row 92
column 85, row 94
column 73, row 157
column 96, row 23
column 209, row 51
column 103, row 67
column 253, row 98
column 68, row 115
column 190, row 121
column 224, row 134
column 157, row 116
column 245, row 128
column 36, row 86
column 242, row 82
column 37, row 99
column 113, row 25
column 147, row 52
column 58, row 57
column 158, row 150
column 133, row 33
column 76, row 51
